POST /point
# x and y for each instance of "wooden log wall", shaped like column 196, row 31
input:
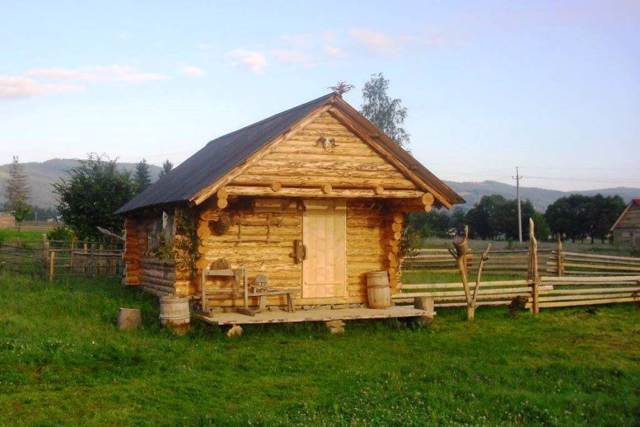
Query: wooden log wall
column 152, row 274
column 134, row 248
column 365, row 245
column 260, row 239
column 158, row 276
column 324, row 155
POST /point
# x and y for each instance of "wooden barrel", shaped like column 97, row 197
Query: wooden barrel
column 174, row 312
column 378, row 291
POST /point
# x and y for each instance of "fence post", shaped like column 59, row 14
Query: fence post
column 534, row 273
column 52, row 265
column 73, row 245
column 45, row 246
column 560, row 258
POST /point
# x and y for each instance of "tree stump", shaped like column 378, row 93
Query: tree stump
column 234, row 331
column 335, row 326
column 129, row 319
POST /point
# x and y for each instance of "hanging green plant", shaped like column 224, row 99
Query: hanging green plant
column 186, row 241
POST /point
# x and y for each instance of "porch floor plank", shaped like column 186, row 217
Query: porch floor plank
column 314, row 315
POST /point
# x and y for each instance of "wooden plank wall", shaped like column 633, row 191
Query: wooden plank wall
column 631, row 219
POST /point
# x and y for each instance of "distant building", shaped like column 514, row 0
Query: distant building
column 7, row 220
column 626, row 229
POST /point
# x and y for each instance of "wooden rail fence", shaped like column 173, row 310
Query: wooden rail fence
column 52, row 259
column 576, row 264
column 557, row 262
column 98, row 262
column 552, row 292
column 441, row 261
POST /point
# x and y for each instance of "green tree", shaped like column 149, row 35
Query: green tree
column 569, row 216
column 483, row 217
column 387, row 113
column 507, row 218
column 603, row 212
column 543, row 232
column 166, row 168
column 457, row 220
column 431, row 224
column 17, row 192
column 91, row 195
column 142, row 176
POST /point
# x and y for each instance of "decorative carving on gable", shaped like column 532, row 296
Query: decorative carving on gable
column 327, row 144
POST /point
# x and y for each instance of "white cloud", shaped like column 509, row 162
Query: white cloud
column 254, row 61
column 193, row 71
column 387, row 44
column 293, row 56
column 116, row 73
column 376, row 41
column 334, row 52
column 14, row 87
column 46, row 81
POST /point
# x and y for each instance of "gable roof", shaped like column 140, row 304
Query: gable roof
column 223, row 154
column 634, row 202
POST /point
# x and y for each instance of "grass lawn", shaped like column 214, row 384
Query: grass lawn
column 62, row 361
column 12, row 235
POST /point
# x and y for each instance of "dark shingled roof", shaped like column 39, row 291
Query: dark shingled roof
column 217, row 158
column 221, row 155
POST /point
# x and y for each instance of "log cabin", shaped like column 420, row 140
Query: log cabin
column 626, row 230
column 292, row 211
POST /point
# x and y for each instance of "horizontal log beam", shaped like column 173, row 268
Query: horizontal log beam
column 241, row 190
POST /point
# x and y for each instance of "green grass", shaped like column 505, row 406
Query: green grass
column 62, row 361
column 13, row 235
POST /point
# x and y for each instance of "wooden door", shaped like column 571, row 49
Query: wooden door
column 324, row 231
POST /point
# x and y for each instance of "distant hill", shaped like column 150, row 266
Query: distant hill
column 42, row 175
column 472, row 192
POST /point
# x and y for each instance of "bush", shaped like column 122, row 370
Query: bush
column 61, row 232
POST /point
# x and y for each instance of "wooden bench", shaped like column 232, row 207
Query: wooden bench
column 239, row 278
column 259, row 288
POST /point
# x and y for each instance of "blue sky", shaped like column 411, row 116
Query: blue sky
column 553, row 87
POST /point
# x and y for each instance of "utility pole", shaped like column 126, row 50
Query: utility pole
column 518, row 178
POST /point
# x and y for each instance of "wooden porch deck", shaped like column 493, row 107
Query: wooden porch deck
column 313, row 315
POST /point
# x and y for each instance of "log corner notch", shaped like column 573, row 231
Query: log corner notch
column 222, row 198
column 427, row 201
column 276, row 186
